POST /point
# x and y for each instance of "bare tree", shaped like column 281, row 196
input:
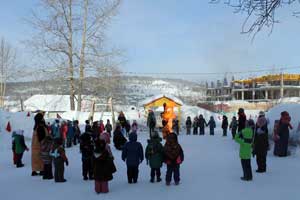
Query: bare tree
column 7, row 67
column 70, row 36
column 259, row 13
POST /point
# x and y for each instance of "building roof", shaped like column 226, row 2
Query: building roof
column 157, row 97
column 268, row 78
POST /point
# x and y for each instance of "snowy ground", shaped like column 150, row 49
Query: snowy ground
column 211, row 171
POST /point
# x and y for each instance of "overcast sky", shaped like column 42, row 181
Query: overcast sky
column 181, row 36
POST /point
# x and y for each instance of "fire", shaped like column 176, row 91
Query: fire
column 169, row 115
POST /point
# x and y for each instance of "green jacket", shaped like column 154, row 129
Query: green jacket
column 154, row 153
column 19, row 145
column 245, row 140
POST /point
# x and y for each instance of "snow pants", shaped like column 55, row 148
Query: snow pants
column 246, row 165
column 87, row 168
column 233, row 133
column 188, row 131
column 202, row 131
column 195, row 131
column 19, row 157
column 132, row 174
column 59, row 169
column 101, row 187
column 224, row 131
column 48, row 174
column 173, row 169
column 212, row 131
column 261, row 160
column 156, row 172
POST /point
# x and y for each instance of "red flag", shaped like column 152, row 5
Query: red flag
column 8, row 127
column 58, row 116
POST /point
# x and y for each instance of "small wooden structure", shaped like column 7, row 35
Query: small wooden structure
column 156, row 104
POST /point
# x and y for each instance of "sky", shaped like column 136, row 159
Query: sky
column 188, row 36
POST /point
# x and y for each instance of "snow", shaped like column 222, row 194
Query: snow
column 211, row 170
column 155, row 97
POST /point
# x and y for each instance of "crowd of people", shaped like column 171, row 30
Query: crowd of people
column 50, row 140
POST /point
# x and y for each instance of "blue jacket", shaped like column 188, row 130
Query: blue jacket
column 71, row 131
column 133, row 151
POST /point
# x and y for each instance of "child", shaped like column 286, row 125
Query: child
column 46, row 146
column 244, row 138
column 195, row 126
column 103, row 167
column 59, row 158
column 119, row 139
column 224, row 125
column 174, row 156
column 70, row 134
column 127, row 128
column 233, row 126
column 101, row 127
column 19, row 147
column 86, row 149
column 133, row 155
column 212, row 125
column 188, row 125
column 55, row 129
column 134, row 126
column 202, row 124
column 154, row 156
column 108, row 127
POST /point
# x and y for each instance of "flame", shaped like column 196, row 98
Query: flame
column 169, row 115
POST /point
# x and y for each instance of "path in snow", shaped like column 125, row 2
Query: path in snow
column 211, row 171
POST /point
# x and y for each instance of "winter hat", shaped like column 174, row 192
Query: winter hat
column 19, row 132
column 241, row 110
column 261, row 113
column 155, row 134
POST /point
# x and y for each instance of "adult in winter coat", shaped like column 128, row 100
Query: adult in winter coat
column 212, row 125
column 202, row 124
column 133, row 155
column 96, row 130
column 195, row 126
column 39, row 133
column 55, row 129
column 244, row 138
column 173, row 157
column 103, row 167
column 77, row 132
column 224, row 125
column 154, row 156
column 19, row 147
column 88, row 127
column 188, row 125
column 46, row 147
column 70, row 134
column 282, row 135
column 59, row 159
column 86, row 149
column 151, row 122
column 233, row 126
column 64, row 132
column 241, row 120
column 122, row 120
column 108, row 127
column 101, row 127
column 261, row 142
column 118, row 138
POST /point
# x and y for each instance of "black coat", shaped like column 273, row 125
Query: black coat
column 119, row 139
column 86, row 146
column 225, row 124
column 103, row 166
column 241, row 122
column 202, row 123
column 261, row 141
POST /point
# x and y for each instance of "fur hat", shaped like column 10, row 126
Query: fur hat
column 261, row 113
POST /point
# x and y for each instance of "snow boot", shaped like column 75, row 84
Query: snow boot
column 34, row 173
column 158, row 180
column 177, row 183
column 152, row 180
column 168, row 183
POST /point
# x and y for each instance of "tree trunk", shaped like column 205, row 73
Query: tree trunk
column 82, row 56
column 71, row 67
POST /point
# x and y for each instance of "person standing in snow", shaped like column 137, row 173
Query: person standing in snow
column 202, row 124
column 251, row 124
column 103, row 167
column 88, row 127
column 127, row 127
column 59, row 159
column 195, row 126
column 244, row 138
column 261, row 142
column 70, row 134
column 64, row 133
column 108, row 127
column 19, row 147
column 133, row 155
column 86, row 150
column 46, row 146
column 101, row 127
column 173, row 157
column 154, row 156
column 55, row 129
column 118, row 137
column 96, row 130
column 39, row 133
column 282, row 135
column 241, row 120
column 233, row 126
column 176, row 126
column 151, row 122
column 212, row 125
column 224, row 125
column 77, row 132
column 188, row 125
column 134, row 126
